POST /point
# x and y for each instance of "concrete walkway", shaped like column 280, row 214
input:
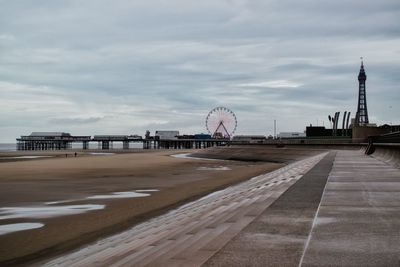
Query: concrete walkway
column 191, row 234
column 277, row 237
column 358, row 221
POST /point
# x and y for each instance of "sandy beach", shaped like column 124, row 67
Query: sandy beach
column 95, row 182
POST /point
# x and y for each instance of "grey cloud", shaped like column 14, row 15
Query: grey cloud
column 75, row 120
column 146, row 64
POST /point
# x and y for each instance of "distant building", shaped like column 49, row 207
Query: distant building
column 46, row 135
column 321, row 131
column 291, row 135
column 390, row 128
column 164, row 135
column 318, row 131
column 363, row 132
column 195, row 136
column 202, row 136
column 185, row 136
column 249, row 138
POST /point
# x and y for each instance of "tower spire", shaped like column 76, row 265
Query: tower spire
column 362, row 111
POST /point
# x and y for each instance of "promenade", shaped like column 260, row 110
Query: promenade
column 358, row 221
column 335, row 209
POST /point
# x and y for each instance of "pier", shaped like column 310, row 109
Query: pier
column 62, row 141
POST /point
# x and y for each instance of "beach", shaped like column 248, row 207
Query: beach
column 113, row 192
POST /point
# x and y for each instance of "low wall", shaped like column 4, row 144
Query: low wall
column 363, row 132
column 389, row 153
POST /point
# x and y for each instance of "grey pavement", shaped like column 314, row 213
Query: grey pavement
column 277, row 237
column 358, row 221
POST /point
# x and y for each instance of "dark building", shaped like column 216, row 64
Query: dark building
column 390, row 128
column 202, row 136
column 321, row 131
column 362, row 111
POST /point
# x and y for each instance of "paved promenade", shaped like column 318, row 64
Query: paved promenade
column 358, row 221
column 277, row 237
column 344, row 211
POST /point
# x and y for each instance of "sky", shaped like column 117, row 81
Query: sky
column 122, row 67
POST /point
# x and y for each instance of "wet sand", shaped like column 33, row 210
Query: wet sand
column 34, row 182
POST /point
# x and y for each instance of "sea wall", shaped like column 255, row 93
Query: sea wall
column 265, row 153
column 389, row 153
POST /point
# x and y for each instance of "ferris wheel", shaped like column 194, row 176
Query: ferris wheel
column 221, row 122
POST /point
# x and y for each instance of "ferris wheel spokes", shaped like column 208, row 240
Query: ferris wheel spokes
column 221, row 122
column 220, row 134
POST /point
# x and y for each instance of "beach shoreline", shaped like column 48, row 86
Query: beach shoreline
column 35, row 182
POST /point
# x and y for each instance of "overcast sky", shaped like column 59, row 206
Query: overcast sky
column 121, row 67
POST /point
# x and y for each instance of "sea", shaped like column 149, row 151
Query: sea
column 8, row 147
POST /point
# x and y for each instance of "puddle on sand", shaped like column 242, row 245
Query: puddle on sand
column 119, row 195
column 15, row 227
column 130, row 194
column 45, row 212
column 147, row 190
column 101, row 153
column 187, row 156
column 219, row 168
column 61, row 201
column 26, row 157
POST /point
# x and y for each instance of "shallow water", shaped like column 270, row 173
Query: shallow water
column 26, row 157
column 45, row 211
column 8, row 147
column 119, row 195
column 61, row 201
column 187, row 156
column 130, row 194
column 219, row 168
column 15, row 227
column 101, row 153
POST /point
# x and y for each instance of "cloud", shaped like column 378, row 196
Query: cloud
column 75, row 120
column 272, row 84
column 127, row 66
column 6, row 37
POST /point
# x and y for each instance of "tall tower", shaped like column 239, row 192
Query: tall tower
column 362, row 111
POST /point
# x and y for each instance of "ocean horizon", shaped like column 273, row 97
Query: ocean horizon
column 8, row 146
